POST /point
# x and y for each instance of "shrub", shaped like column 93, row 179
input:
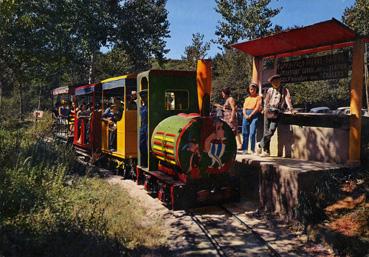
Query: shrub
column 46, row 209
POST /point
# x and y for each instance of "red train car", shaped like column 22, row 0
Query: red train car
column 87, row 125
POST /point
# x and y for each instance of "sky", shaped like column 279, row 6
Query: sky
column 187, row 17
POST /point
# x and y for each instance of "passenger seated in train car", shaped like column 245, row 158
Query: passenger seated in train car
column 132, row 101
column 72, row 116
column 108, row 116
column 64, row 110
column 55, row 111
column 119, row 103
column 134, row 96
column 170, row 101
column 143, row 128
column 88, row 119
column 116, row 116
column 84, row 113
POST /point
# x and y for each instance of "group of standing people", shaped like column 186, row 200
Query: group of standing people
column 276, row 100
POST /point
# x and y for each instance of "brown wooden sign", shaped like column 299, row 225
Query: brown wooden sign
column 333, row 66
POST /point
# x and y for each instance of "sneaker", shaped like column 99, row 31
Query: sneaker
column 264, row 154
column 258, row 149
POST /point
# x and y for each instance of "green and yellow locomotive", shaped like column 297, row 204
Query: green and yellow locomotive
column 189, row 155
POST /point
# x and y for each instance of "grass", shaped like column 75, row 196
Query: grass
column 46, row 209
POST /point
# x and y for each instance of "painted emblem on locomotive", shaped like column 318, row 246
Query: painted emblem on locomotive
column 210, row 148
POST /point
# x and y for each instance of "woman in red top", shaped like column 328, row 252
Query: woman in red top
column 251, row 115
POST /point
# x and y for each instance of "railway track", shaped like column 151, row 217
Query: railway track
column 229, row 235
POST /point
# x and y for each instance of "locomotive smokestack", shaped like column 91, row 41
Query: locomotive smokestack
column 203, row 78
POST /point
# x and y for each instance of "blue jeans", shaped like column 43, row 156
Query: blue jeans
column 249, row 130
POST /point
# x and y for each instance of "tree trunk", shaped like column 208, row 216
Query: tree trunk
column 39, row 99
column 90, row 73
column 21, row 102
column 1, row 94
column 366, row 72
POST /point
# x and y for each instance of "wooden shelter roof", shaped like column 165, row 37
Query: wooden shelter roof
column 322, row 36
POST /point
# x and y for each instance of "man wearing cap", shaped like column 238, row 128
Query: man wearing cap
column 276, row 100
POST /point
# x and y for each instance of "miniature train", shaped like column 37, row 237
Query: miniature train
column 165, row 139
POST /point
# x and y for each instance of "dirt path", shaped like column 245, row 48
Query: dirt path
column 186, row 238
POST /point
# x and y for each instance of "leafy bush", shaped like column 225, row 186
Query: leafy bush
column 46, row 209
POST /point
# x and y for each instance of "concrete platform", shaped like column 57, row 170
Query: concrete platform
column 283, row 186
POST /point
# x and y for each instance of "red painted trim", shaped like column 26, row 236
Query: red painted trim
column 160, row 133
column 85, row 86
column 172, row 196
column 170, row 135
column 158, row 143
column 182, row 177
column 159, row 153
column 168, row 146
column 166, row 169
column 189, row 115
column 170, row 157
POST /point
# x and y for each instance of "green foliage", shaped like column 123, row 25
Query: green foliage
column 357, row 16
column 46, row 44
column 47, row 210
column 114, row 63
column 196, row 51
column 331, row 93
column 243, row 19
column 142, row 26
column 232, row 69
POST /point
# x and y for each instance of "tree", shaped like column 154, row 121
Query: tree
column 51, row 43
column 114, row 63
column 243, row 20
column 231, row 69
column 142, row 26
column 197, row 50
column 357, row 17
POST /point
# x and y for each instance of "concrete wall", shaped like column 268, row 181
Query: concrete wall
column 315, row 137
column 311, row 143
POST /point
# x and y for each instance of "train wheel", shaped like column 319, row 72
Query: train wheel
column 133, row 173
column 151, row 185
column 126, row 172
column 164, row 193
column 140, row 177
column 181, row 197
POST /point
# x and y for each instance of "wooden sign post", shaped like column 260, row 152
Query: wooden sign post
column 356, row 102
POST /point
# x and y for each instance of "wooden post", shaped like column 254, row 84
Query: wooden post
column 256, row 72
column 356, row 102
column 203, row 80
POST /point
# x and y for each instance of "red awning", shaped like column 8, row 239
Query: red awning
column 318, row 37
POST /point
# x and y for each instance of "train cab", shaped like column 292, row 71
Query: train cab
column 119, row 118
column 87, row 126
column 162, row 93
